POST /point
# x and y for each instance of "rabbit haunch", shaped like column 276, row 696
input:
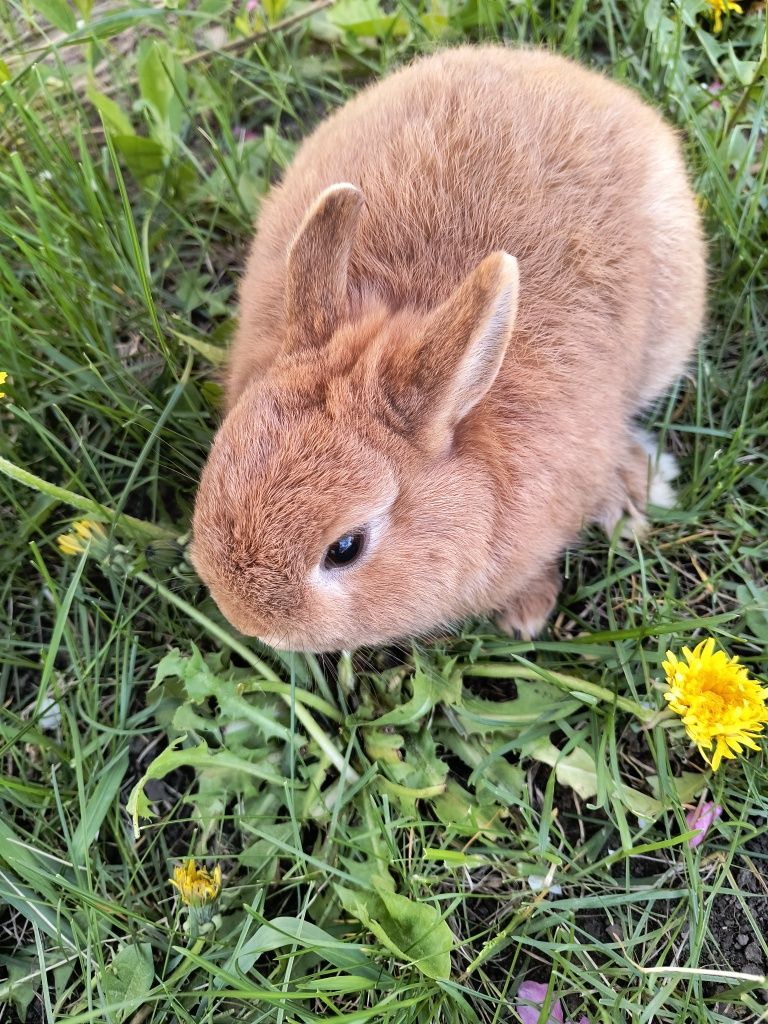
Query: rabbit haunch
column 471, row 280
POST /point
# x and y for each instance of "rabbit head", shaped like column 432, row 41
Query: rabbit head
column 347, row 499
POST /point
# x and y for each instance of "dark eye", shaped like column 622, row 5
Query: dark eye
column 345, row 550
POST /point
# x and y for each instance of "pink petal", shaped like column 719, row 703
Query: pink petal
column 531, row 996
column 702, row 818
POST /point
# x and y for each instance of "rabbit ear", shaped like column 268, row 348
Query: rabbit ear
column 316, row 288
column 454, row 360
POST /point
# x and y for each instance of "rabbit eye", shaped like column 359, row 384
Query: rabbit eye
column 345, row 550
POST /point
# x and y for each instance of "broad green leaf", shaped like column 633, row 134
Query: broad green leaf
column 364, row 18
column 58, row 12
column 114, row 117
column 142, row 156
column 383, row 746
column 290, row 931
column 576, row 769
column 579, row 771
column 640, row 804
column 129, row 977
column 5, row 72
column 652, row 14
column 414, row 932
column 215, row 354
column 23, row 976
column 273, row 9
column 686, row 787
column 154, row 64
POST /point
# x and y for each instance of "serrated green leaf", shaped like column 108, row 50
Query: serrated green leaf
column 466, row 814
column 202, row 683
column 428, row 690
column 536, row 701
column 129, row 977
column 22, row 984
column 199, row 757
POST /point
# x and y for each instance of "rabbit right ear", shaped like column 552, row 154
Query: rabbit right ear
column 316, row 288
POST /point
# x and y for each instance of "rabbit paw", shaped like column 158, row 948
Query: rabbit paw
column 526, row 613
column 643, row 478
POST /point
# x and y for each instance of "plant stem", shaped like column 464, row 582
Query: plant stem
column 571, row 684
column 137, row 528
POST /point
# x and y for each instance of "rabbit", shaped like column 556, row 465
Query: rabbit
column 472, row 279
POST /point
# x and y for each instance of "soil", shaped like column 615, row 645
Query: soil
column 734, row 945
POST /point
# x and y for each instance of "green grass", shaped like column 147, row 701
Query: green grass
column 389, row 829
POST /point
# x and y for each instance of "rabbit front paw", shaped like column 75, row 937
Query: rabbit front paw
column 642, row 478
column 527, row 611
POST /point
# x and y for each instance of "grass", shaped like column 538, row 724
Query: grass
column 400, row 839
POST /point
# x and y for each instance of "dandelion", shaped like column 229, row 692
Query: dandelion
column 722, row 708
column 718, row 8
column 702, row 818
column 83, row 531
column 197, row 886
column 3, row 379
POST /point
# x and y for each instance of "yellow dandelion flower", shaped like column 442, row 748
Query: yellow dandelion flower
column 197, row 886
column 83, row 530
column 718, row 9
column 69, row 544
column 87, row 528
column 3, row 379
column 720, row 705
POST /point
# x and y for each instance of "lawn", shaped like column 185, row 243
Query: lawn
column 406, row 835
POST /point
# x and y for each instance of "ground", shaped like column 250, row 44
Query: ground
column 404, row 835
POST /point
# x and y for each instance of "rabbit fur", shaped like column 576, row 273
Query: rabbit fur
column 471, row 280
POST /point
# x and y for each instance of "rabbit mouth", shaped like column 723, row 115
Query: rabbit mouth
column 307, row 645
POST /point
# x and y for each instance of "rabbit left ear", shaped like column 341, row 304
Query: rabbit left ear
column 316, row 287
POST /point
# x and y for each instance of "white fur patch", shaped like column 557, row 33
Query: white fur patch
column 661, row 492
column 664, row 470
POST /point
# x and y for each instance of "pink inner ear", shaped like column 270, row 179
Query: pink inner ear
column 477, row 320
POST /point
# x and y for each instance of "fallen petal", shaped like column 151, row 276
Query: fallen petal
column 531, row 996
column 702, row 818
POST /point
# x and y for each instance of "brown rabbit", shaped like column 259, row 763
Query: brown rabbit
column 438, row 365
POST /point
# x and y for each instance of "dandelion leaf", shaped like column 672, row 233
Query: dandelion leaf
column 414, row 932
